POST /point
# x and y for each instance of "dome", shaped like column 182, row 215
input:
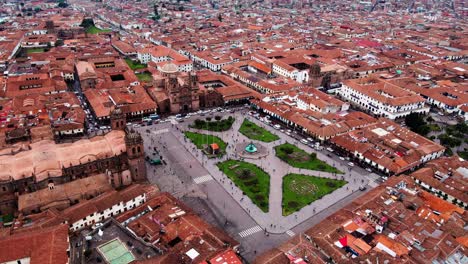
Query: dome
column 169, row 68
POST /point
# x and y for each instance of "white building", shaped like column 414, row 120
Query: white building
column 289, row 71
column 382, row 98
column 315, row 100
column 103, row 207
column 160, row 54
column 213, row 63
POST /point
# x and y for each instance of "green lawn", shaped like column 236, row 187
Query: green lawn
column 217, row 126
column 434, row 127
column 96, row 30
column 463, row 154
column 301, row 190
column 203, row 140
column 252, row 131
column 252, row 180
column 144, row 77
column 135, row 65
column 35, row 50
column 298, row 158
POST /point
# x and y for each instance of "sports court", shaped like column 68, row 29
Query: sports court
column 115, row 252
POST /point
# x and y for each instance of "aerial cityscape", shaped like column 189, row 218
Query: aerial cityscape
column 233, row 132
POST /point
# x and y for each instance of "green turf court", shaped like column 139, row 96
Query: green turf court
column 115, row 252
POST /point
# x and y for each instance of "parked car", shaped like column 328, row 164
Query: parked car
column 97, row 225
column 304, row 141
column 341, row 158
column 330, row 149
column 350, row 164
column 362, row 188
column 369, row 169
column 277, row 126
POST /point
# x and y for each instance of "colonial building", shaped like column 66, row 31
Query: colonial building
column 176, row 91
column 119, row 154
column 382, row 98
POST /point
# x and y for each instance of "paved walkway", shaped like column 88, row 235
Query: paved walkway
column 272, row 221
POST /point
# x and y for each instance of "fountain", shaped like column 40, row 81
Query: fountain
column 251, row 148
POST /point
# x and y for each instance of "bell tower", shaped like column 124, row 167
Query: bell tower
column 117, row 119
column 193, row 80
column 135, row 155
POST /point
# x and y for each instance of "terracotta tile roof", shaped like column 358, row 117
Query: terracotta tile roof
column 46, row 159
column 42, row 246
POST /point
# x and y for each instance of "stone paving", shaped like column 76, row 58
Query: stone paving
column 272, row 221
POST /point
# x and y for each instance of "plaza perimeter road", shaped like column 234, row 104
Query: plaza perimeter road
column 189, row 174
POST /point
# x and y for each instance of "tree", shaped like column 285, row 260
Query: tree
column 208, row 119
column 62, row 4
column 87, row 22
column 199, row 123
column 288, row 150
column 313, row 156
column 217, row 118
column 245, row 173
column 449, row 141
column 415, row 122
column 155, row 10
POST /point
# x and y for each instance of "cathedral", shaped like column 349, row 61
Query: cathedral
column 176, row 92
column 119, row 155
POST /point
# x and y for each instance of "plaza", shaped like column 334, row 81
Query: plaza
column 273, row 220
column 192, row 175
